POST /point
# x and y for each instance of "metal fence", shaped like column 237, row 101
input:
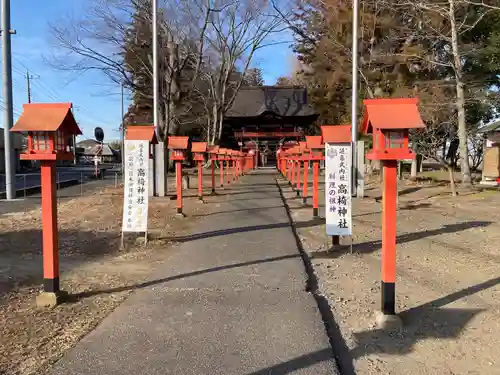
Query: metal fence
column 69, row 183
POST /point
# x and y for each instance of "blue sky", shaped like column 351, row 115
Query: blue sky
column 32, row 46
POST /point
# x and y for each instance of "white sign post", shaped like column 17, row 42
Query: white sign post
column 338, row 181
column 135, row 195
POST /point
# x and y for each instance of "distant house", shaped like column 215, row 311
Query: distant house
column 88, row 149
column 491, row 157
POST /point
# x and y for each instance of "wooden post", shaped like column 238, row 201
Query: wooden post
column 200, row 181
column 228, row 171
column 49, row 223
column 306, row 183
column 389, row 237
column 298, row 178
column 178, row 176
column 221, row 173
column 213, row 176
column 315, row 188
column 292, row 172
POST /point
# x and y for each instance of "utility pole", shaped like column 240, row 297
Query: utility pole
column 159, row 157
column 10, row 189
column 122, row 134
column 354, row 100
column 28, row 84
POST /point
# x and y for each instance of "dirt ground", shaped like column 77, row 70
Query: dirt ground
column 448, row 281
column 96, row 273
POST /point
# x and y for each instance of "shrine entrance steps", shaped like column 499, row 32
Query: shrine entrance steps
column 231, row 299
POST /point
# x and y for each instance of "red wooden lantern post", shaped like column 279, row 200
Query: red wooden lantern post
column 50, row 129
column 298, row 161
column 315, row 144
column 199, row 149
column 305, row 157
column 293, row 166
column 238, row 165
column 178, row 145
column 213, row 151
column 388, row 121
column 222, row 158
column 251, row 159
column 229, row 169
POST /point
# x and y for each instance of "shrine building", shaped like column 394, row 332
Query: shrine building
column 265, row 118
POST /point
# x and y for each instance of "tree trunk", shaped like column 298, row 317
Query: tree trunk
column 460, row 102
column 451, row 173
column 414, row 169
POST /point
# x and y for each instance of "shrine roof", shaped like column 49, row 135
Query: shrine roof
column 46, row 117
column 273, row 100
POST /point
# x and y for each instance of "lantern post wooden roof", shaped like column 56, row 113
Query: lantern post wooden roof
column 49, row 117
column 391, row 114
column 141, row 133
column 178, row 143
column 336, row 133
column 199, row 147
column 314, row 142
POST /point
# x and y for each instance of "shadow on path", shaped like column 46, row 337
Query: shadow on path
column 423, row 322
column 224, row 232
column 239, row 210
column 78, row 296
column 297, row 363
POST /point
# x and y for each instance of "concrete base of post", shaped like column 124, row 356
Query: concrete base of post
column 315, row 213
column 298, row 193
column 48, row 300
column 180, row 213
column 304, row 201
column 200, row 200
column 388, row 323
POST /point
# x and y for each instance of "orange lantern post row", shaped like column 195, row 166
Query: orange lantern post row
column 213, row 151
column 50, row 127
column 199, row 149
column 178, row 145
column 315, row 145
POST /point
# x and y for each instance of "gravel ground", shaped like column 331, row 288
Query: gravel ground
column 94, row 271
column 448, row 281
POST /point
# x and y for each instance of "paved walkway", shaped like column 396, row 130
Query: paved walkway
column 230, row 300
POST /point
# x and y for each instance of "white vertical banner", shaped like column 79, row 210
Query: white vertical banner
column 338, row 162
column 135, row 196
